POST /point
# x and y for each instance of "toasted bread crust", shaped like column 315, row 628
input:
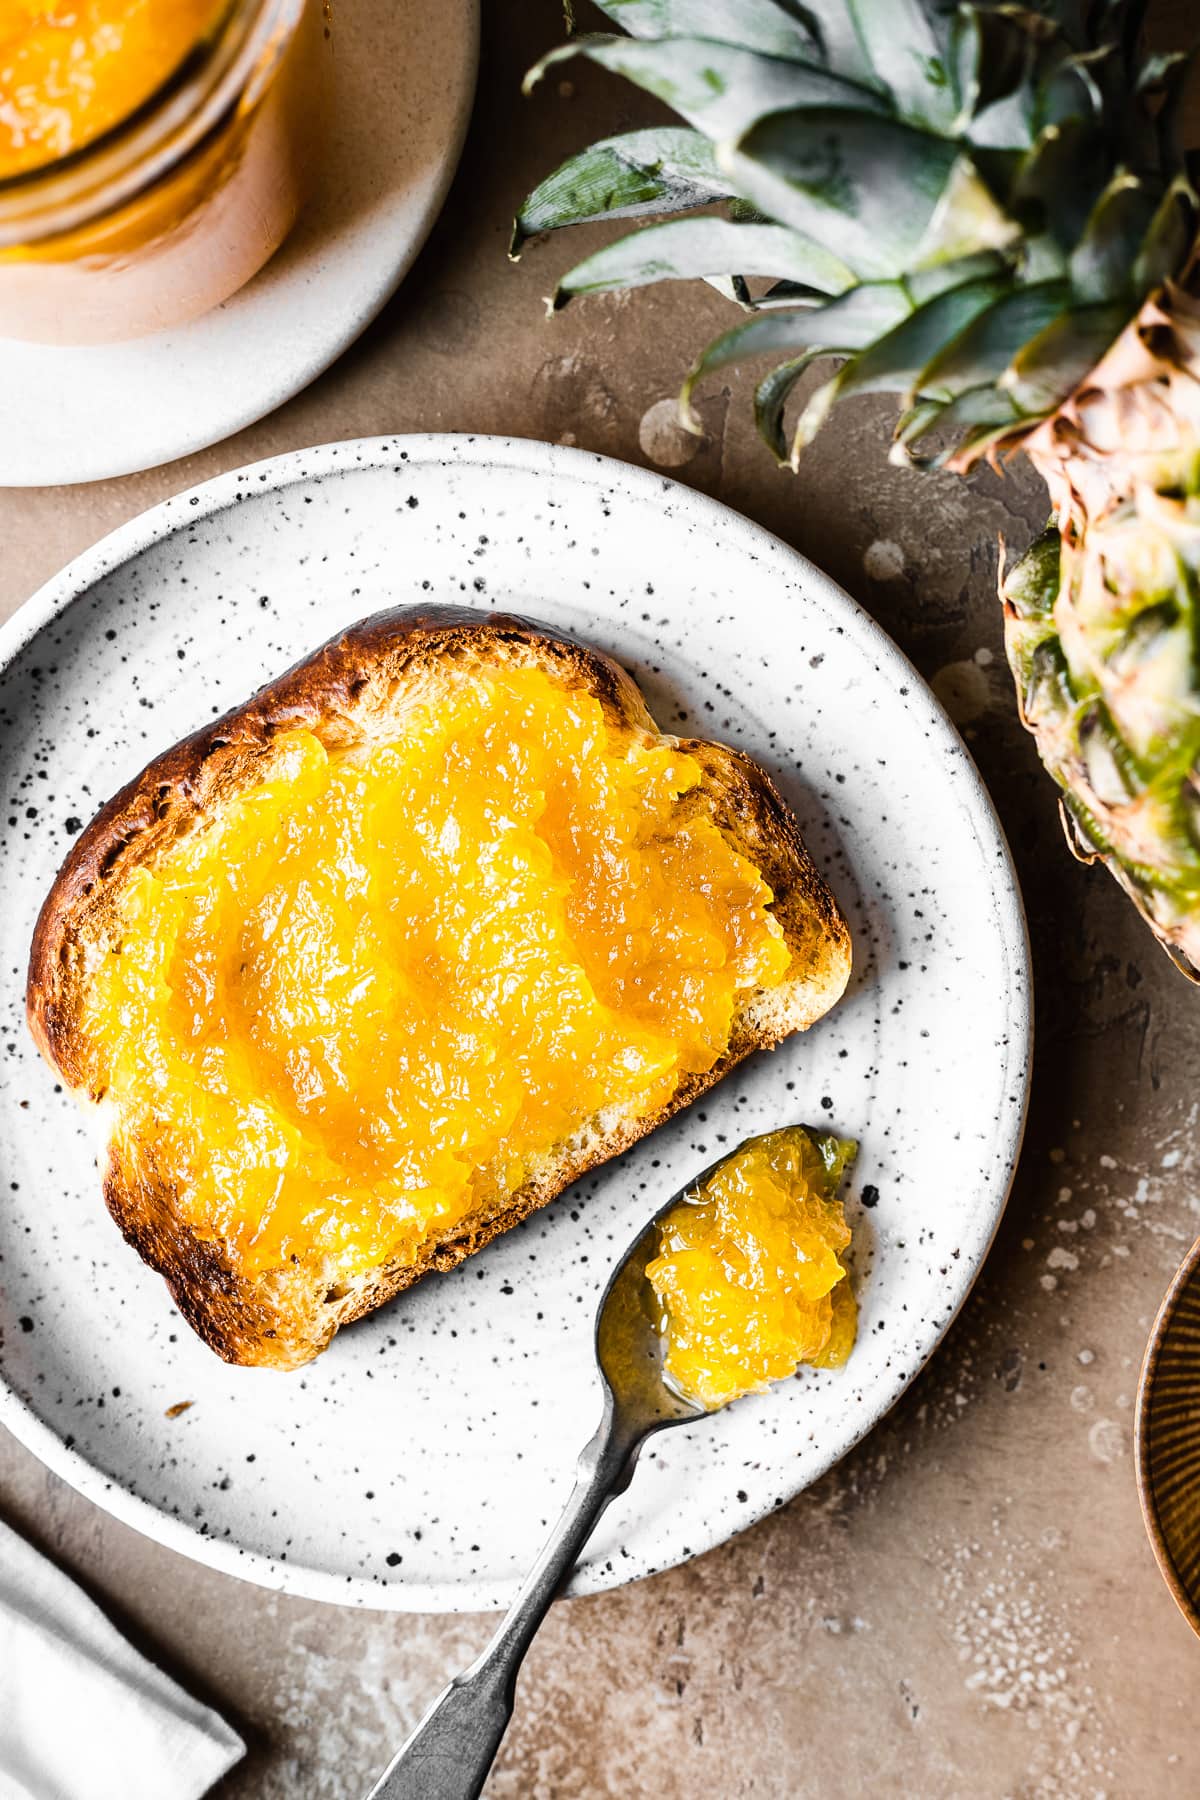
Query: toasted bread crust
column 286, row 1317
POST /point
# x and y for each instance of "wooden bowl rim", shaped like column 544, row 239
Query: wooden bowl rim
column 1183, row 1598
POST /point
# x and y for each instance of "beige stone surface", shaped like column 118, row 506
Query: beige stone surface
column 967, row 1606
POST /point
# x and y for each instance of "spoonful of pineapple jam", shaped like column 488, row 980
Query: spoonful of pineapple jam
column 733, row 1284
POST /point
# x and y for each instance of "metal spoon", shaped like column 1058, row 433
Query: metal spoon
column 451, row 1751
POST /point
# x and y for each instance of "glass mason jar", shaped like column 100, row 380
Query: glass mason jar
column 174, row 208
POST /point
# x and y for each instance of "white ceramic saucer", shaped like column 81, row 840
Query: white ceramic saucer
column 418, row 1462
column 404, row 80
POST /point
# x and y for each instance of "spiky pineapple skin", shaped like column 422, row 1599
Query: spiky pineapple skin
column 1102, row 615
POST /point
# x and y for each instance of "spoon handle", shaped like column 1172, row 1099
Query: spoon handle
column 451, row 1751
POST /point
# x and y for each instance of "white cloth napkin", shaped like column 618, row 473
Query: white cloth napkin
column 83, row 1716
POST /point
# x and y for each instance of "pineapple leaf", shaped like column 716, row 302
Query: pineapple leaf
column 1051, row 365
column 1070, row 90
column 966, row 219
column 892, row 363
column 871, row 185
column 771, row 397
column 927, row 284
column 1005, row 125
column 776, row 30
column 1090, row 85
column 980, row 406
column 1159, row 73
column 837, row 31
column 977, row 443
column 911, row 426
column 1168, row 242
column 1169, row 84
column 667, row 170
column 1123, row 20
column 1061, row 179
column 983, row 352
column 990, row 56
column 818, row 409
column 683, row 249
column 847, row 323
column 1102, row 262
column 909, row 58
column 1070, row 16
column 781, row 294
column 961, row 420
column 717, row 87
column 730, row 287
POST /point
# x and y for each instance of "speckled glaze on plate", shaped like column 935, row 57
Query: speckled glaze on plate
column 403, row 82
column 418, row 1462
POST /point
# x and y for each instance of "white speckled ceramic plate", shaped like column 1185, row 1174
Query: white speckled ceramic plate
column 417, row 1463
column 404, row 77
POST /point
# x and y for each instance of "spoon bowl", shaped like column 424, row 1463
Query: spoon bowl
column 629, row 1343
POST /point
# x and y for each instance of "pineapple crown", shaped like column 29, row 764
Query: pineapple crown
column 967, row 203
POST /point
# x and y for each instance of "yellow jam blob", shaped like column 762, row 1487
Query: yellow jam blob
column 72, row 69
column 749, row 1273
column 361, row 1004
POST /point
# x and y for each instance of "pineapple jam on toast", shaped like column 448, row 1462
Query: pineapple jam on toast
column 369, row 969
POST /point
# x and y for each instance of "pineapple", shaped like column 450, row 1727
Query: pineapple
column 983, row 209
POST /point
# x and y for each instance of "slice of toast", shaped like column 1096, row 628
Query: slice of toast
column 354, row 692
